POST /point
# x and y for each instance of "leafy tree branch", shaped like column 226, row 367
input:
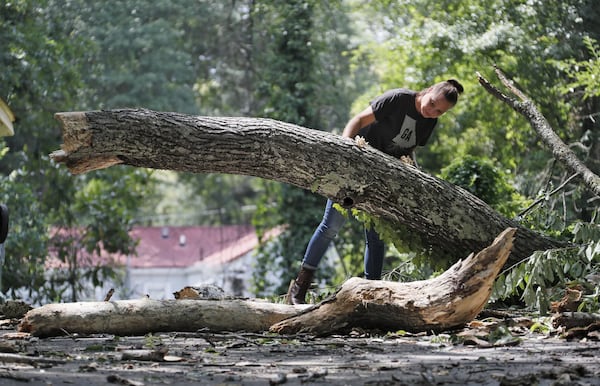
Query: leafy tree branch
column 541, row 126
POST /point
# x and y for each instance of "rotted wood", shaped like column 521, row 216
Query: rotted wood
column 439, row 304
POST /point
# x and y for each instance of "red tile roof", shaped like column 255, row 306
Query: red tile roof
column 183, row 246
column 187, row 246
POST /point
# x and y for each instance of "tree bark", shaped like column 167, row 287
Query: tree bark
column 445, row 302
column 142, row 316
column 445, row 218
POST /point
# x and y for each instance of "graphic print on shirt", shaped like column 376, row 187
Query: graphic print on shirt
column 407, row 137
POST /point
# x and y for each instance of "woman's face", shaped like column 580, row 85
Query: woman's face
column 433, row 104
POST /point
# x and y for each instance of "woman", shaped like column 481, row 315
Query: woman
column 396, row 123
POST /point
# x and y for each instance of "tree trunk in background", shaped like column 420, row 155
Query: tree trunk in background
column 449, row 219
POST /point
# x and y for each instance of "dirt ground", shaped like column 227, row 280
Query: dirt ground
column 488, row 352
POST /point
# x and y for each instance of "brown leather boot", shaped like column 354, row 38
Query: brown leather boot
column 297, row 291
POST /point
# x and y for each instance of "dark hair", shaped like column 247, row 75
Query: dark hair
column 451, row 89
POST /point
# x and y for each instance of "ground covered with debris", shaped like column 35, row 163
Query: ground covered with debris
column 490, row 351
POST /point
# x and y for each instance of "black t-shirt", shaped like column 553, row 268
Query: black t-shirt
column 398, row 127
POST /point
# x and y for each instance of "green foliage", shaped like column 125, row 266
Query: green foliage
column 25, row 246
column 216, row 198
column 409, row 257
column 152, row 341
column 139, row 57
column 304, row 63
column 289, row 84
column 426, row 42
column 87, row 226
column 286, row 88
column 65, row 56
column 107, row 220
column 41, row 75
column 480, row 177
column 585, row 74
column 410, row 266
column 186, row 56
column 542, row 277
column 41, row 66
column 391, row 233
column 266, row 217
column 285, row 253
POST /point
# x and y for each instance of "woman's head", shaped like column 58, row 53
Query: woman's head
column 439, row 98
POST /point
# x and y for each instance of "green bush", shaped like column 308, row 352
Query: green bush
column 480, row 177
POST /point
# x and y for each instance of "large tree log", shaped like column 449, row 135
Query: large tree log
column 446, row 218
column 445, row 302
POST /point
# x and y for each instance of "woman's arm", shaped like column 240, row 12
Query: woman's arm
column 360, row 120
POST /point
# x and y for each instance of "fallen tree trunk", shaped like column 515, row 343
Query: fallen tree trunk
column 448, row 220
column 142, row 316
column 447, row 301
column 439, row 304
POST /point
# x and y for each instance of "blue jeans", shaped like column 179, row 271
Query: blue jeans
column 328, row 229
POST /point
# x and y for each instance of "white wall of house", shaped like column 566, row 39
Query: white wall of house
column 234, row 277
column 160, row 283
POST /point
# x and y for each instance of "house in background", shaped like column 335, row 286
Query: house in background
column 170, row 258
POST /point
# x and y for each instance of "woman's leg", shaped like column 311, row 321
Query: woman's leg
column 374, row 253
column 326, row 231
column 321, row 239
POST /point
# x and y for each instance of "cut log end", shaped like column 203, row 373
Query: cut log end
column 75, row 130
column 77, row 138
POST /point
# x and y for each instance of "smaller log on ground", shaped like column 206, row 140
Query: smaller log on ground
column 443, row 303
column 142, row 316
